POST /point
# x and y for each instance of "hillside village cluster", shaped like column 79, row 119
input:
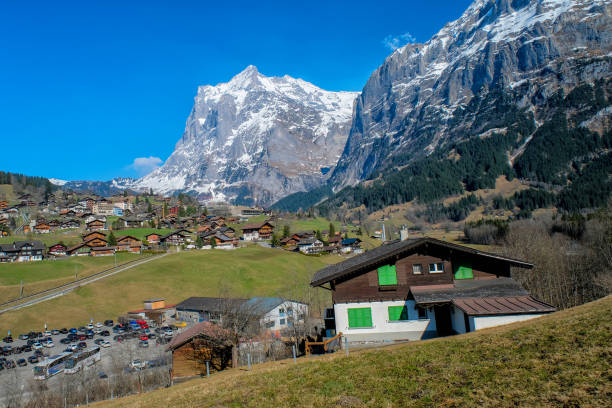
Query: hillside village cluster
column 97, row 218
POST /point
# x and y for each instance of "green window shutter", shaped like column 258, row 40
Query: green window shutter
column 360, row 317
column 464, row 271
column 387, row 275
column 397, row 313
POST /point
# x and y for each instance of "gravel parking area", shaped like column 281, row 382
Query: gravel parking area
column 115, row 361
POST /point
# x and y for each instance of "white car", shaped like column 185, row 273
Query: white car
column 137, row 364
column 105, row 344
column 73, row 347
column 90, row 326
column 97, row 330
column 168, row 333
column 37, row 346
column 48, row 344
column 46, row 333
column 98, row 324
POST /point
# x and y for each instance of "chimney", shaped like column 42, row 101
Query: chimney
column 404, row 233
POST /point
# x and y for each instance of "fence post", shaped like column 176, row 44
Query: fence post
column 346, row 346
column 207, row 369
column 293, row 349
column 249, row 360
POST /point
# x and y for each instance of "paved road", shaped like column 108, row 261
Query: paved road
column 67, row 289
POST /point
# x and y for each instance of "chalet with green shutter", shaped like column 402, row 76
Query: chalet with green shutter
column 423, row 288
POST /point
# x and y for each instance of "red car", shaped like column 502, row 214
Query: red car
column 82, row 337
column 144, row 338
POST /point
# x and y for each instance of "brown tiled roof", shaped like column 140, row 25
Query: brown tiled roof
column 255, row 226
column 502, row 305
column 207, row 329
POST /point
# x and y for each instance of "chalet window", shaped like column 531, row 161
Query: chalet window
column 417, row 269
column 360, row 317
column 422, row 313
column 464, row 271
column 436, row 268
column 387, row 275
column 282, row 322
column 398, row 313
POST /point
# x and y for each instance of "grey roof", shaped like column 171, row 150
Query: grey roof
column 468, row 288
column 393, row 248
column 209, row 304
column 17, row 245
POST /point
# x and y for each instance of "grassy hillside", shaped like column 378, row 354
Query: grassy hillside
column 37, row 276
column 242, row 272
column 562, row 360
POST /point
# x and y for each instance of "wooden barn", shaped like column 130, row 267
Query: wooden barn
column 200, row 343
column 255, row 232
column 103, row 251
column 95, row 225
column 153, row 238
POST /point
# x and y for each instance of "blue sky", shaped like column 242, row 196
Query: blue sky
column 87, row 88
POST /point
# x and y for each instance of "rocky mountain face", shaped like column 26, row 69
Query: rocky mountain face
column 256, row 139
column 521, row 52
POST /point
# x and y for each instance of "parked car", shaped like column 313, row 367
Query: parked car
column 108, row 323
column 105, row 344
column 90, row 326
column 105, row 333
column 46, row 333
column 23, row 337
column 37, row 346
column 65, row 340
column 55, row 332
column 144, row 338
column 8, row 339
column 22, row 362
column 98, row 324
column 64, row 330
column 32, row 359
column 137, row 365
column 98, row 341
column 10, row 364
column 143, row 344
column 82, row 345
column 48, row 344
column 27, row 348
column 102, row 375
column 73, row 347
column 73, row 331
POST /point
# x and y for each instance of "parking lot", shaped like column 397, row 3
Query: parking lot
column 118, row 354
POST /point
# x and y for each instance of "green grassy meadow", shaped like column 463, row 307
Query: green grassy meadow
column 243, row 272
column 38, row 276
column 561, row 360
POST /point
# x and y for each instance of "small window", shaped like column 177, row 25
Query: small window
column 417, row 269
column 436, row 268
column 282, row 322
column 360, row 317
column 422, row 313
column 387, row 275
column 269, row 324
column 398, row 313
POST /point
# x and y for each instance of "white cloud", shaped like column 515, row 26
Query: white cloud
column 145, row 165
column 393, row 42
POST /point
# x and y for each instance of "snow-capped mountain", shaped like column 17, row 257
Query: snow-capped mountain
column 256, row 139
column 425, row 95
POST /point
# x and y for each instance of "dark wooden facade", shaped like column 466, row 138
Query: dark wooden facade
column 362, row 285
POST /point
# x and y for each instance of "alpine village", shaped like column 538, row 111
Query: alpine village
column 440, row 236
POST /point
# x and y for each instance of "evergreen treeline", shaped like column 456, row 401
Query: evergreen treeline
column 22, row 181
column 303, row 200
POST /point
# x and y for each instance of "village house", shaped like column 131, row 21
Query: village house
column 102, row 251
column 42, row 228
column 310, row 246
column 22, row 251
column 103, row 207
column 3, row 204
column 179, row 237
column 198, row 309
column 129, row 243
column 95, row 225
column 276, row 314
column 57, row 250
column 351, row 245
column 153, row 238
column 95, row 239
column 70, row 224
column 256, row 232
column 201, row 343
column 131, row 222
column 81, row 249
column 421, row 288
column 336, row 240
